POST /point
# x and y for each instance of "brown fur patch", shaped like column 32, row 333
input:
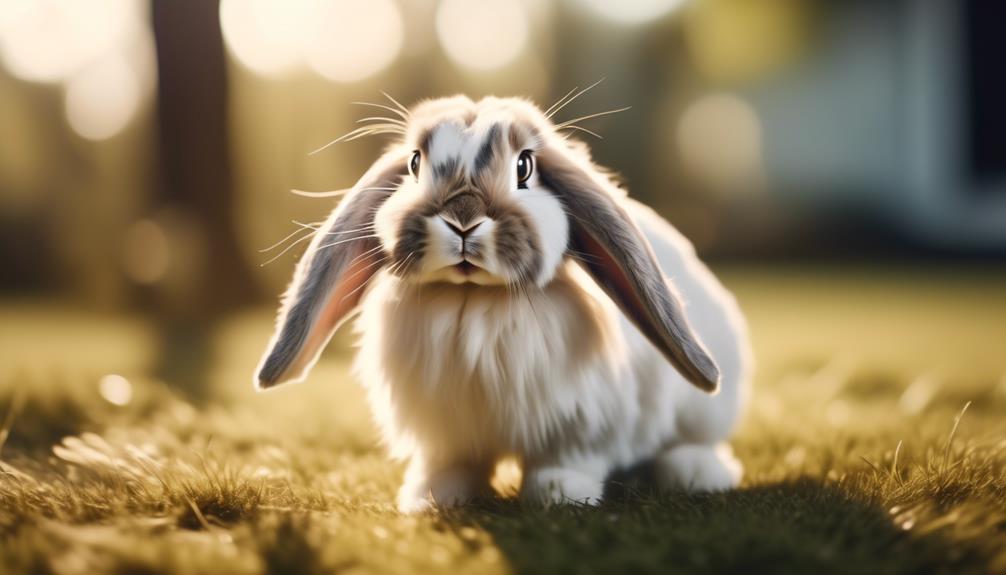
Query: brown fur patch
column 423, row 140
column 465, row 207
column 515, row 137
column 410, row 245
column 517, row 244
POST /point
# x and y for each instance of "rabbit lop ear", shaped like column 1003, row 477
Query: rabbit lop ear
column 330, row 279
column 621, row 261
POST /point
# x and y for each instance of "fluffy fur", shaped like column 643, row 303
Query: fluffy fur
column 532, row 318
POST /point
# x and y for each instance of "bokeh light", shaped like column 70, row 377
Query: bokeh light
column 50, row 40
column 633, row 11
column 353, row 39
column 729, row 40
column 482, row 34
column 146, row 252
column 103, row 98
column 342, row 40
column 99, row 51
column 116, row 389
column 720, row 140
column 264, row 35
column 11, row 12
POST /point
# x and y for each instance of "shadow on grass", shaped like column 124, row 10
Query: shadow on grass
column 799, row 527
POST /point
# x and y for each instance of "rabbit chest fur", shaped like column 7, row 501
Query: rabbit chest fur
column 462, row 375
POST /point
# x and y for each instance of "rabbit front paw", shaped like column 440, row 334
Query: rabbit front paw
column 441, row 489
column 698, row 468
column 558, row 485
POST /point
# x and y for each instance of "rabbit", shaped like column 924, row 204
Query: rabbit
column 512, row 301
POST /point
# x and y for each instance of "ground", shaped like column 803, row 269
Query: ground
column 873, row 443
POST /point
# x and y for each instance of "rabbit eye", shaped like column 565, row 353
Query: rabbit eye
column 414, row 164
column 525, row 167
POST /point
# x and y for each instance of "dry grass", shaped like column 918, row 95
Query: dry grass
column 860, row 455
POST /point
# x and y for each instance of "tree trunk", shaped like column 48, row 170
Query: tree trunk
column 195, row 182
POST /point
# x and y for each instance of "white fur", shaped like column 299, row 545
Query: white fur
column 553, row 228
column 447, row 141
column 460, row 376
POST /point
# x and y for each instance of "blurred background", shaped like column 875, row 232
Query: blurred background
column 842, row 164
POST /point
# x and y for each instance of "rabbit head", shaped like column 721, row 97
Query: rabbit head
column 489, row 193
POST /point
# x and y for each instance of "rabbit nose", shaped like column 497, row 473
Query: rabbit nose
column 462, row 231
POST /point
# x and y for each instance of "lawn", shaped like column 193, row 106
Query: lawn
column 873, row 443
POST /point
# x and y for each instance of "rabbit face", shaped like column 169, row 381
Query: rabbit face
column 472, row 208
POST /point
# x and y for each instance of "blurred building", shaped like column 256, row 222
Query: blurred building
column 898, row 113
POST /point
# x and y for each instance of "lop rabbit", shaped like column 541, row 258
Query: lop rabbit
column 514, row 302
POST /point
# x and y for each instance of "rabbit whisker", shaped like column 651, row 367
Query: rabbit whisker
column 548, row 112
column 371, row 251
column 383, row 107
column 397, row 103
column 310, row 226
column 286, row 249
column 551, row 113
column 372, row 129
column 381, row 119
column 366, row 228
column 333, row 193
column 352, row 239
column 362, row 285
column 361, row 132
column 328, row 194
column 400, row 264
column 589, row 116
column 282, row 241
column 573, row 127
column 317, row 226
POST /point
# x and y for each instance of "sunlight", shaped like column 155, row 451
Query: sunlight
column 11, row 12
column 103, row 98
column 482, row 34
column 263, row 35
column 96, row 50
column 115, row 389
column 50, row 40
column 720, row 139
column 341, row 40
column 919, row 394
column 350, row 40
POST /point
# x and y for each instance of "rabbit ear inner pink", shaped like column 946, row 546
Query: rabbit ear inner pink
column 331, row 277
column 615, row 253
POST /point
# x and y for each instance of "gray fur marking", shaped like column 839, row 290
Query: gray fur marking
column 320, row 271
column 488, row 148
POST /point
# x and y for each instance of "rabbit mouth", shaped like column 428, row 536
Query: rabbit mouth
column 466, row 268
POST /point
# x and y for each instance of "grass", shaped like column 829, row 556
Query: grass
column 874, row 443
